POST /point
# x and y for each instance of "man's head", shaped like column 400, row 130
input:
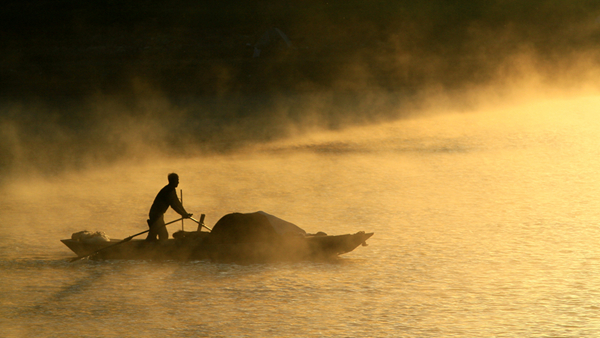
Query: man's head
column 173, row 179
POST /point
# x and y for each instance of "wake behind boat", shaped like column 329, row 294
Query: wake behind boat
column 235, row 237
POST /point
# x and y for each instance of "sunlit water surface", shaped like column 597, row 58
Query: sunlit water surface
column 486, row 225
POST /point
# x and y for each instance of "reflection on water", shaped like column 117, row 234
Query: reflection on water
column 485, row 225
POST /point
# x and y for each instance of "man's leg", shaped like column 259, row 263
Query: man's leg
column 161, row 230
column 157, row 227
column 151, row 234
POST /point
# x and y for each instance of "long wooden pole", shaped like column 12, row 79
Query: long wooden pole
column 200, row 222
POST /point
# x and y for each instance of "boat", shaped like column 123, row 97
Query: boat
column 236, row 237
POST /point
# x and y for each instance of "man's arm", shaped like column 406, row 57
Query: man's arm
column 176, row 204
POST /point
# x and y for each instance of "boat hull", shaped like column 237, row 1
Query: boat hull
column 199, row 246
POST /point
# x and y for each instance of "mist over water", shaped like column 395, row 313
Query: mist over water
column 85, row 85
column 464, row 135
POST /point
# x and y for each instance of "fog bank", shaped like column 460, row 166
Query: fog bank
column 88, row 84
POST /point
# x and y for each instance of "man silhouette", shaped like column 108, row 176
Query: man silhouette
column 166, row 197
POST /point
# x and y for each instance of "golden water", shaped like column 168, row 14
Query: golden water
column 486, row 225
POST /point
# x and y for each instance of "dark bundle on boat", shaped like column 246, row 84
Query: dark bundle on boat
column 236, row 228
column 252, row 236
